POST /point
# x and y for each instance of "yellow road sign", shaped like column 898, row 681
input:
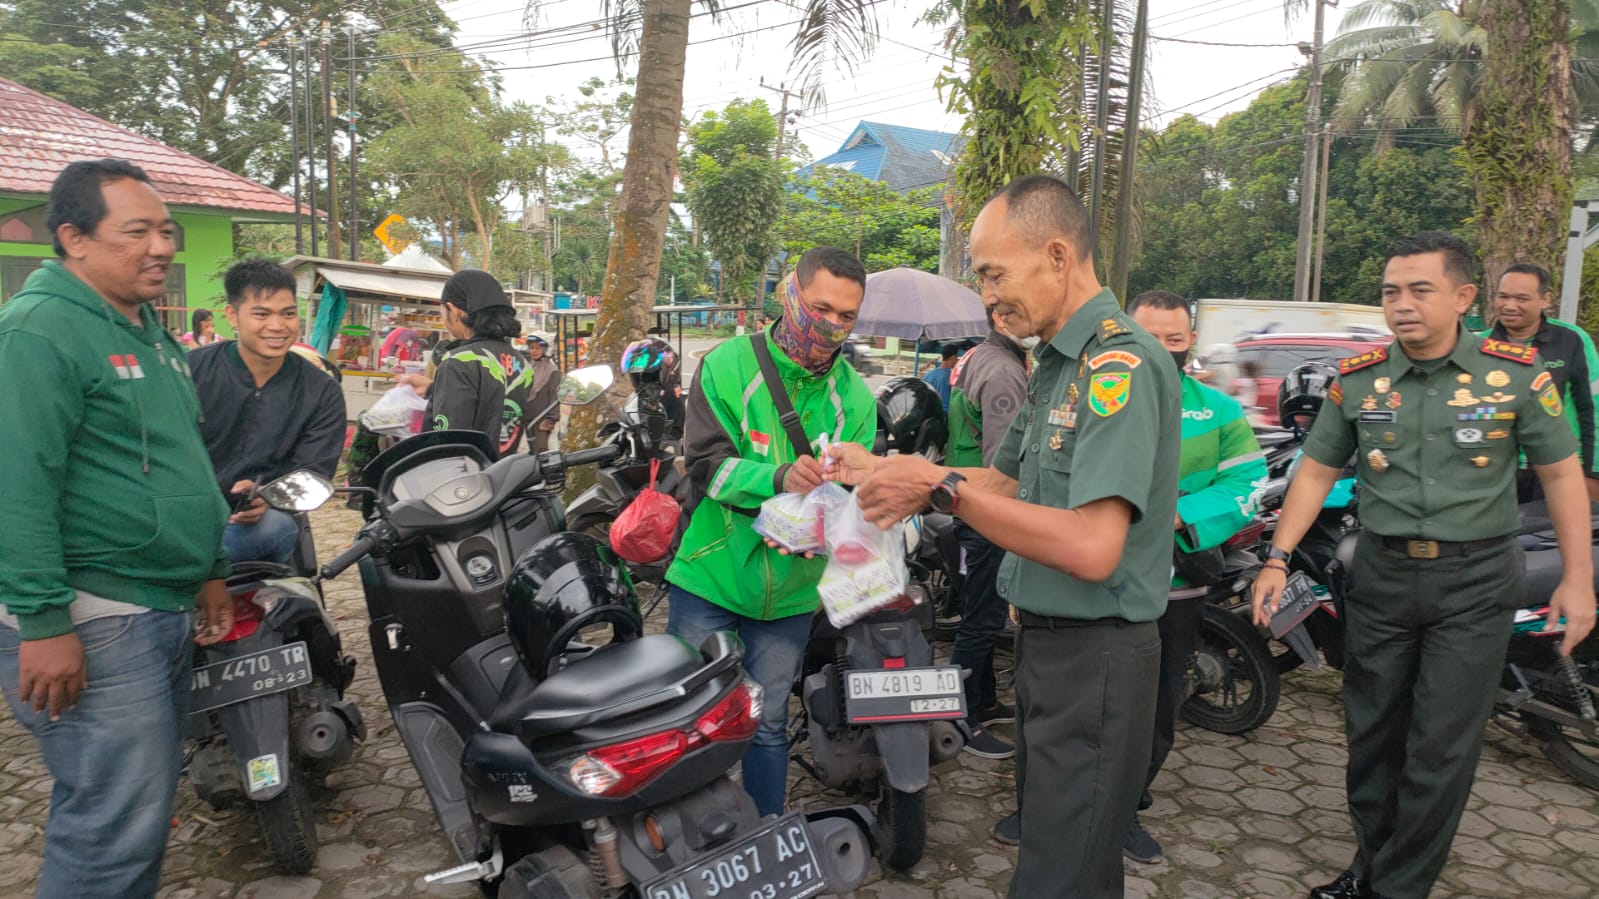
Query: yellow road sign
column 395, row 244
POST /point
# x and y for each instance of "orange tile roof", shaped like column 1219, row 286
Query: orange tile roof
column 39, row 135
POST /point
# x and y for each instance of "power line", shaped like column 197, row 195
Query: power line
column 1179, row 40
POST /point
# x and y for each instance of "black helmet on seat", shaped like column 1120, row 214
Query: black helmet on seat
column 565, row 583
column 911, row 416
column 1301, row 392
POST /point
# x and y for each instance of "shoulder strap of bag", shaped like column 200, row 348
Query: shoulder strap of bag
column 780, row 401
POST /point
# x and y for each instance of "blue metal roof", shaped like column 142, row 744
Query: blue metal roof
column 903, row 158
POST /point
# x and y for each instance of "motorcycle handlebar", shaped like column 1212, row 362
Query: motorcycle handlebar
column 598, row 454
column 357, row 551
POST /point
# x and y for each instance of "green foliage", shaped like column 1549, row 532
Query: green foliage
column 1021, row 57
column 831, row 207
column 735, row 188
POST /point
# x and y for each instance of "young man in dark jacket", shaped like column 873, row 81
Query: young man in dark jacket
column 113, row 532
column 267, row 411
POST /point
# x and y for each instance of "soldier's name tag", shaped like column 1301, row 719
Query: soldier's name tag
column 1380, row 415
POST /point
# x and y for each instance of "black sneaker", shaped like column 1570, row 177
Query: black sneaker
column 1008, row 830
column 984, row 744
column 998, row 713
column 1141, row 847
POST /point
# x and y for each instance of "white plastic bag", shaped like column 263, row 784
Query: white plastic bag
column 797, row 521
column 865, row 564
column 397, row 413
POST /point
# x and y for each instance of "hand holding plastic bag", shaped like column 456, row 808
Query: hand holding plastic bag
column 865, row 564
column 397, row 413
column 796, row 521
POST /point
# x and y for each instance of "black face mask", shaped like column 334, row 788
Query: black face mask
column 1181, row 358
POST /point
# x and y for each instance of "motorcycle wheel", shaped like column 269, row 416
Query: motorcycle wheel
column 901, row 827
column 1574, row 753
column 288, row 823
column 1238, row 682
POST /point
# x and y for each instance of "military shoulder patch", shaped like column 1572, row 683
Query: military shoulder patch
column 1111, row 327
column 1543, row 380
column 1128, row 359
column 1336, row 393
column 1504, row 350
column 1364, row 360
column 1108, row 392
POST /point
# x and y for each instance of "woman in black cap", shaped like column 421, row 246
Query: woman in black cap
column 467, row 392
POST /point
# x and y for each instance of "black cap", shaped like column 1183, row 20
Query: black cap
column 474, row 289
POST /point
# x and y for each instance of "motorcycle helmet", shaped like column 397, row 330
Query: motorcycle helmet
column 911, row 416
column 1300, row 394
column 565, row 583
column 650, row 359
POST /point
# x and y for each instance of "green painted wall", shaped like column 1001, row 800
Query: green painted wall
column 207, row 252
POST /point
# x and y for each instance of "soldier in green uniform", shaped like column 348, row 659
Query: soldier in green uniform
column 1081, row 494
column 1435, row 420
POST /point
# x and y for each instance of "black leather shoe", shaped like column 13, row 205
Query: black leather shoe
column 1347, row 886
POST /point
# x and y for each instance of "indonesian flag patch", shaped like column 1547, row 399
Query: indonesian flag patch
column 762, row 443
column 127, row 367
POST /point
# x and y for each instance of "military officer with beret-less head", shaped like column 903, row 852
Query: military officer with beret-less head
column 1435, row 421
column 1081, row 494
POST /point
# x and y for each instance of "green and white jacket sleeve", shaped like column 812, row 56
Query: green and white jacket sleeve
column 713, row 444
column 1223, row 469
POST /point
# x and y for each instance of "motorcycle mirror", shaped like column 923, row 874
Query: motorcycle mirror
column 582, row 386
column 297, row 491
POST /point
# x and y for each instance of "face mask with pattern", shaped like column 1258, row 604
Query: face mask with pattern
column 807, row 338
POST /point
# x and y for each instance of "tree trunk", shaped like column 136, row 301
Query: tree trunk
column 634, row 263
column 1517, row 146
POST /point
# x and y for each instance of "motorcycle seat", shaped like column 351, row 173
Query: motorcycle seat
column 598, row 687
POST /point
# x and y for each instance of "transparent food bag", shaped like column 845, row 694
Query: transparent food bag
column 865, row 564
column 796, row 521
column 397, row 413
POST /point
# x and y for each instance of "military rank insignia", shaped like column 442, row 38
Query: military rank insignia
column 1502, row 350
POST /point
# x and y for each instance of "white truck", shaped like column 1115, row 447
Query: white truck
column 1227, row 321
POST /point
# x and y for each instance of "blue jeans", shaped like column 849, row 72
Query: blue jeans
column 271, row 539
column 772, row 654
column 115, row 756
column 982, row 619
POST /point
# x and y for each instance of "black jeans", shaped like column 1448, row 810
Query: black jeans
column 1085, row 695
column 982, row 618
column 1179, row 640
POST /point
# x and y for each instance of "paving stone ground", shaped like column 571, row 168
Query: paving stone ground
column 1260, row 815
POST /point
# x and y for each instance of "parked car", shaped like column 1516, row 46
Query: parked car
column 1278, row 354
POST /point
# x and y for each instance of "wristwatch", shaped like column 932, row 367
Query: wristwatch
column 946, row 494
column 1280, row 555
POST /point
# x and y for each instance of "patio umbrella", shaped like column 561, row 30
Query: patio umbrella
column 917, row 305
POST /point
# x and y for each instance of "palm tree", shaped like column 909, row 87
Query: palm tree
column 581, row 259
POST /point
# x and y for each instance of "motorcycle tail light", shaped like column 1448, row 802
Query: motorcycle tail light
column 1249, row 536
column 736, row 717
column 247, row 615
column 622, row 768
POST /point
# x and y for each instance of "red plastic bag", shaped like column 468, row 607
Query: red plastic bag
column 643, row 532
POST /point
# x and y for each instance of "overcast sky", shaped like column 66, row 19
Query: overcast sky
column 729, row 58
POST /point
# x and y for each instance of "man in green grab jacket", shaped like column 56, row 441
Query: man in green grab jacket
column 1223, row 470
column 725, row 576
column 112, row 523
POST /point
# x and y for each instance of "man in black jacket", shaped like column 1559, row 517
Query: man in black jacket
column 265, row 410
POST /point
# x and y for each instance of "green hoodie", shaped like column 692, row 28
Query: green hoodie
column 735, row 447
column 108, row 488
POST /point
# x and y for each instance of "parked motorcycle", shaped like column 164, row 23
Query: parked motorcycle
column 1236, row 683
column 877, row 711
column 267, row 711
column 565, row 753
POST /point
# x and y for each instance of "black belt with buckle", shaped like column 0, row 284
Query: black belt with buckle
column 1033, row 619
column 1433, row 549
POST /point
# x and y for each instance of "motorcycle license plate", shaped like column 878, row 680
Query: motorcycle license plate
column 904, row 694
column 1295, row 605
column 248, row 676
column 775, row 862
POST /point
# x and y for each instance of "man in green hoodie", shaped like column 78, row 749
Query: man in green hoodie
column 113, row 526
column 724, row 576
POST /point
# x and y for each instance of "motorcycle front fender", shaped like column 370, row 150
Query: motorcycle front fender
column 903, row 749
column 258, row 733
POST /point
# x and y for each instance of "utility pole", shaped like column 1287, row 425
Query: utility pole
column 327, row 133
column 1321, row 213
column 1122, row 260
column 782, row 122
column 294, row 141
column 1307, row 178
column 310, row 142
column 354, row 215
column 549, row 225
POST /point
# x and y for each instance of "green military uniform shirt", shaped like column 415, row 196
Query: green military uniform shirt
column 1102, row 418
column 1437, row 442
